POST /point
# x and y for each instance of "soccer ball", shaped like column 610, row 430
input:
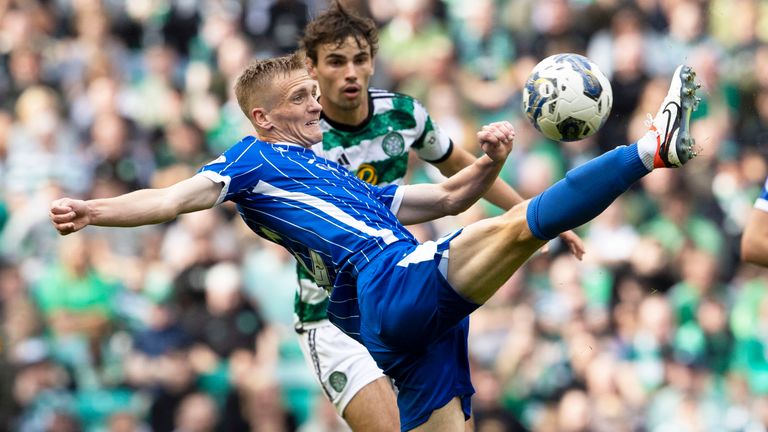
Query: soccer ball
column 567, row 98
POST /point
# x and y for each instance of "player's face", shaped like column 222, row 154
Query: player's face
column 343, row 73
column 295, row 118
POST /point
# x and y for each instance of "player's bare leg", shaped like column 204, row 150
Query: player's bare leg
column 374, row 408
column 488, row 252
column 446, row 419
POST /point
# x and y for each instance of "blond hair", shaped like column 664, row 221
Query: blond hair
column 255, row 82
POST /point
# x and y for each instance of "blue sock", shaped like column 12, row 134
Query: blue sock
column 584, row 192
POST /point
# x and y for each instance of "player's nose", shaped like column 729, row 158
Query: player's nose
column 314, row 106
column 350, row 73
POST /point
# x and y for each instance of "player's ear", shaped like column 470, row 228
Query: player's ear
column 260, row 118
column 311, row 68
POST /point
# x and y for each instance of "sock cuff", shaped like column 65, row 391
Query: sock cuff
column 646, row 149
column 636, row 167
column 532, row 217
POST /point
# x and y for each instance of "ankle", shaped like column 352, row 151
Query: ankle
column 646, row 148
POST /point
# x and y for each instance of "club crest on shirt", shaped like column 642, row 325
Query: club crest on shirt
column 367, row 173
column 393, row 144
column 337, row 380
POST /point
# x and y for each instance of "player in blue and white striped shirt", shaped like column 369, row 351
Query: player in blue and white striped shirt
column 754, row 239
column 408, row 303
column 371, row 132
column 333, row 222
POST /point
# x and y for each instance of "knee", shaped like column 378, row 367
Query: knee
column 513, row 225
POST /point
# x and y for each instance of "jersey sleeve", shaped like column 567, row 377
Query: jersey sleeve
column 230, row 169
column 390, row 195
column 433, row 145
column 762, row 200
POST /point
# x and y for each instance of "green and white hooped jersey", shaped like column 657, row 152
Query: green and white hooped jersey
column 377, row 151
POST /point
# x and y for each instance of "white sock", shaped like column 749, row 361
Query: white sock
column 646, row 148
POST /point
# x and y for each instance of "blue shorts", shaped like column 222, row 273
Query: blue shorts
column 415, row 326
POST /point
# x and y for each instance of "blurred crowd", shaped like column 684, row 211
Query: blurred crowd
column 188, row 326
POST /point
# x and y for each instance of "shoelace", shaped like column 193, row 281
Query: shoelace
column 649, row 124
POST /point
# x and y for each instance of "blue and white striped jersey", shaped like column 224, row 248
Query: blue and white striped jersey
column 330, row 220
column 762, row 200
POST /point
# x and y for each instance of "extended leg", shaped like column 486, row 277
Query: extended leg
column 488, row 252
column 584, row 192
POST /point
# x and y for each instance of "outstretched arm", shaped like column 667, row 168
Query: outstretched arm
column 501, row 194
column 424, row 202
column 754, row 240
column 141, row 207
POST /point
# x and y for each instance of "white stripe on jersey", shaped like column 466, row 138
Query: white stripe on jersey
column 241, row 154
column 423, row 252
column 329, row 209
column 761, row 204
column 348, row 332
column 249, row 171
column 217, row 178
column 344, row 318
column 279, row 170
column 342, row 301
column 298, row 227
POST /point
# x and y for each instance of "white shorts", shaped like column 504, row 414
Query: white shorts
column 339, row 363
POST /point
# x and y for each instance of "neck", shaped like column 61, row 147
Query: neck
column 278, row 138
column 350, row 117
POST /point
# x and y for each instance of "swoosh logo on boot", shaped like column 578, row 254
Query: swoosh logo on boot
column 671, row 126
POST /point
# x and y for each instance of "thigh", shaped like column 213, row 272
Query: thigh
column 340, row 364
column 445, row 419
column 374, row 408
column 428, row 376
column 488, row 252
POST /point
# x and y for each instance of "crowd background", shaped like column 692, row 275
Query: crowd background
column 188, row 326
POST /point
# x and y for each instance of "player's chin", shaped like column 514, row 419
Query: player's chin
column 313, row 135
column 350, row 101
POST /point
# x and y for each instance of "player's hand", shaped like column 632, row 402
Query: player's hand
column 69, row 215
column 496, row 140
column 574, row 242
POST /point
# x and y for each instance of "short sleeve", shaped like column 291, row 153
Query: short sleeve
column 433, row 145
column 231, row 169
column 389, row 195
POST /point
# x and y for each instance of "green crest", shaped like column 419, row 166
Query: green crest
column 393, row 144
column 338, row 380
